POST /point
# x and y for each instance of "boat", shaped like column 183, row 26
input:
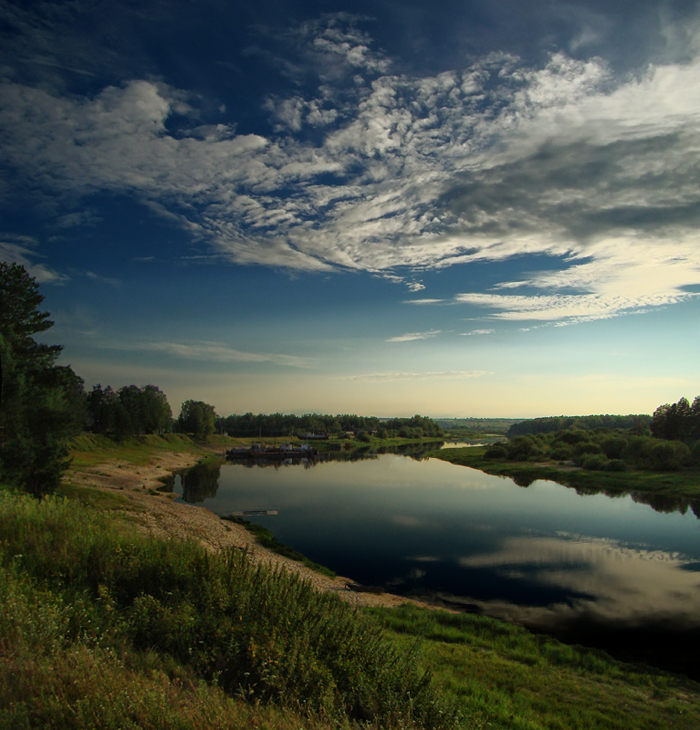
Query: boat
column 283, row 451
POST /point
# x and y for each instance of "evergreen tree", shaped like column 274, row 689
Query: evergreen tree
column 41, row 403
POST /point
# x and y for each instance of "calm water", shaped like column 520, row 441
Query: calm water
column 595, row 570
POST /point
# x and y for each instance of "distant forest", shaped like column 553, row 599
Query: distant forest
column 587, row 423
column 476, row 426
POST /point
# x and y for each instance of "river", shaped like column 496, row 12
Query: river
column 607, row 572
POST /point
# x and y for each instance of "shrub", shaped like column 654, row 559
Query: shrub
column 496, row 452
column 586, row 447
column 572, row 436
column 562, row 452
column 614, row 447
column 522, row 448
column 616, row 465
column 595, row 462
column 669, row 455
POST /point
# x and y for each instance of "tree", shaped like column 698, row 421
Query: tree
column 157, row 414
column 197, row 417
column 41, row 403
column 131, row 411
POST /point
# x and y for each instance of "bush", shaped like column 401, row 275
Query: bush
column 562, row 452
column 614, row 447
column 496, row 452
column 586, row 447
column 572, row 436
column 595, row 462
column 669, row 456
column 522, row 448
column 616, row 465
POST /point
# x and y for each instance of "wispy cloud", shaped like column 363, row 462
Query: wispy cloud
column 23, row 250
column 116, row 283
column 478, row 332
column 425, row 301
column 215, row 352
column 415, row 336
column 437, row 375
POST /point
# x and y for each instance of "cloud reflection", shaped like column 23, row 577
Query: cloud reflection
column 611, row 581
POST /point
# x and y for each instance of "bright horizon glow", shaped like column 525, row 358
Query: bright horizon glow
column 487, row 210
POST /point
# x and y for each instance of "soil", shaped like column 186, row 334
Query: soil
column 156, row 513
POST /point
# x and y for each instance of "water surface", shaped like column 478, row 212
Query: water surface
column 602, row 571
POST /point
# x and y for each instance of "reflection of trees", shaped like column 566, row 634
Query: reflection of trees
column 200, row 482
column 414, row 451
column 666, row 504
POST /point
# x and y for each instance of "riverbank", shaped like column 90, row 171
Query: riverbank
column 682, row 487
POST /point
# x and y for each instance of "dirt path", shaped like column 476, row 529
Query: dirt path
column 159, row 515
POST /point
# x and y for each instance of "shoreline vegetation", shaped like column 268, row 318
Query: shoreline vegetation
column 115, row 619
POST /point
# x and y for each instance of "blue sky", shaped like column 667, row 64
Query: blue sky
column 452, row 208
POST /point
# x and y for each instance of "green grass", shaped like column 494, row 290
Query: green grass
column 253, row 633
column 502, row 676
column 676, row 484
column 92, row 449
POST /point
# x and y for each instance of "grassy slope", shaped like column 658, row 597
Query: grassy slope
column 58, row 671
column 86, row 599
column 681, row 484
column 502, row 676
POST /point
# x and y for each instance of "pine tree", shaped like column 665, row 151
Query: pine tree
column 41, row 403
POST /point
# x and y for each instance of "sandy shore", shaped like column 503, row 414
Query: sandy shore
column 159, row 515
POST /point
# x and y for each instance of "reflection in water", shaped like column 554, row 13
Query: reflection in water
column 587, row 568
column 200, row 482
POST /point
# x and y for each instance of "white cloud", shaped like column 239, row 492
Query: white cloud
column 414, row 336
column 22, row 250
column 215, row 352
column 478, row 332
column 620, row 278
column 407, row 174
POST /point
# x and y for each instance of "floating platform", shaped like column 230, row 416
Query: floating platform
column 256, row 451
column 255, row 513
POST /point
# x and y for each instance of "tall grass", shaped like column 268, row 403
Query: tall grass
column 255, row 633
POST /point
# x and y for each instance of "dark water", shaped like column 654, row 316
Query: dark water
column 608, row 572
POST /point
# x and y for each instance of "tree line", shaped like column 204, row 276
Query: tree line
column 278, row 424
column 550, row 424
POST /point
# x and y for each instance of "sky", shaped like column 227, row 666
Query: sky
column 452, row 208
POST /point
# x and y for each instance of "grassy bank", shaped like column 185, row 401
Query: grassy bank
column 672, row 484
column 85, row 598
column 502, row 676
